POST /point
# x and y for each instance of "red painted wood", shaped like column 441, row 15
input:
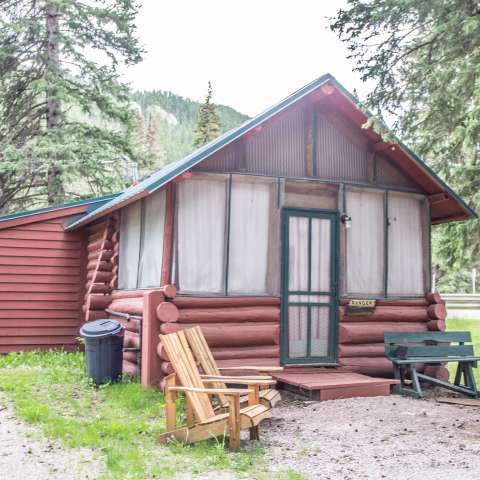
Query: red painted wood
column 373, row 332
column 407, row 302
column 37, row 270
column 133, row 306
column 38, row 322
column 41, row 261
column 40, row 305
column 151, row 372
column 437, row 311
column 232, row 314
column 34, row 347
column 389, row 314
column 38, row 252
column 42, row 296
column 39, row 244
column 219, row 302
column 43, row 287
column 232, row 335
column 49, row 279
column 37, row 331
column 20, row 313
column 165, row 277
column 167, row 312
column 16, row 234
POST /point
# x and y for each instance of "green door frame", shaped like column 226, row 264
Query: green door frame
column 332, row 357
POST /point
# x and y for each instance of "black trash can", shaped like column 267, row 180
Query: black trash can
column 103, row 350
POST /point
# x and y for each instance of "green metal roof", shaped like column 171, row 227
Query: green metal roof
column 95, row 203
column 172, row 170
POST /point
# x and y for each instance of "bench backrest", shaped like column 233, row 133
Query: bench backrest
column 432, row 344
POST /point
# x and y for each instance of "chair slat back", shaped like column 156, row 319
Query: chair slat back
column 183, row 363
column 204, row 356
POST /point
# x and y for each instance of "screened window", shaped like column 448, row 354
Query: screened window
column 227, row 235
column 365, row 241
column 130, row 228
column 150, row 268
column 141, row 243
column 200, row 255
column 406, row 254
column 253, row 221
column 402, row 231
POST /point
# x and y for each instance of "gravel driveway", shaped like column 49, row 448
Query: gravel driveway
column 26, row 455
column 375, row 438
column 362, row 438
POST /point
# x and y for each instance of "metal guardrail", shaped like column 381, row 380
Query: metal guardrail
column 463, row 305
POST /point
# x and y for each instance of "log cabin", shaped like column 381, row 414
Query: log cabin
column 263, row 237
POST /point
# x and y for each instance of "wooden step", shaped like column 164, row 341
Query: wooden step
column 332, row 384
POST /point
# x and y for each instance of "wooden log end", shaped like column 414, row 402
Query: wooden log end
column 167, row 312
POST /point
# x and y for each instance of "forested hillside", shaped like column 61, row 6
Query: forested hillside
column 166, row 123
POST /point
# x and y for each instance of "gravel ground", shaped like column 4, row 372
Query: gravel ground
column 361, row 438
column 375, row 438
column 26, row 455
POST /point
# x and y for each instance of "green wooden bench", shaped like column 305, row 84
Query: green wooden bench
column 434, row 349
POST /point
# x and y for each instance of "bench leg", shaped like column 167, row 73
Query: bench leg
column 415, row 381
column 458, row 374
column 397, row 375
column 470, row 378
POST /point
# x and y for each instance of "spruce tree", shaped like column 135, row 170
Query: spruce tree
column 423, row 59
column 155, row 148
column 65, row 122
column 208, row 126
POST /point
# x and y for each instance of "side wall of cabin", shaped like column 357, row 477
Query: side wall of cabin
column 42, row 280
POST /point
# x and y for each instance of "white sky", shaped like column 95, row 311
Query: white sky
column 255, row 52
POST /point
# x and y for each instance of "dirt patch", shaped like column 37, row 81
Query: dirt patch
column 25, row 454
column 373, row 438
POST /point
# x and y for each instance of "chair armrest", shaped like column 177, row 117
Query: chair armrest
column 224, row 391
column 241, row 377
column 240, row 381
column 253, row 367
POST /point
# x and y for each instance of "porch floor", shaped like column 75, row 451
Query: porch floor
column 332, row 383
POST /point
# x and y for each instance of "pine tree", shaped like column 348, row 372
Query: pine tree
column 423, row 59
column 65, row 120
column 155, row 148
column 208, row 126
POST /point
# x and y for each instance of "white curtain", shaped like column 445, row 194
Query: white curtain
column 321, row 241
column 365, row 242
column 405, row 245
column 150, row 267
column 201, row 234
column 298, row 254
column 250, row 207
column 129, row 245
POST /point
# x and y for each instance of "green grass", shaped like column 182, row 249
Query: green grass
column 119, row 421
column 473, row 326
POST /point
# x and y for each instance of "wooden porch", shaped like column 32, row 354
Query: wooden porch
column 332, row 383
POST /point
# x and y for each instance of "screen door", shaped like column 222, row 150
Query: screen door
column 309, row 286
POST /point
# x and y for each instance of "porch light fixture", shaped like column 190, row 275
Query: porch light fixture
column 346, row 220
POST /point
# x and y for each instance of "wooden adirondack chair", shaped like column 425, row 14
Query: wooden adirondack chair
column 268, row 396
column 202, row 421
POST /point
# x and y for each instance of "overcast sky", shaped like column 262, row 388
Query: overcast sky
column 255, row 52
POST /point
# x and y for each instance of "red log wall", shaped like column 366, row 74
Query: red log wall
column 41, row 282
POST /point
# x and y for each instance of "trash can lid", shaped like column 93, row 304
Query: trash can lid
column 101, row 328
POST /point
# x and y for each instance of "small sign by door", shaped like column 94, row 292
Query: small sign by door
column 359, row 306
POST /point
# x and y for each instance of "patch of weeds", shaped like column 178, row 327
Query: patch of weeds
column 121, row 420
column 289, row 475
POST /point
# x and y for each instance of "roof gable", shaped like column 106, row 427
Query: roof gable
column 451, row 206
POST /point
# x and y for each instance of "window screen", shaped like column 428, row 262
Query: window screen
column 200, row 235
column 150, row 267
column 129, row 246
column 252, row 218
column 365, row 241
column 405, row 244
